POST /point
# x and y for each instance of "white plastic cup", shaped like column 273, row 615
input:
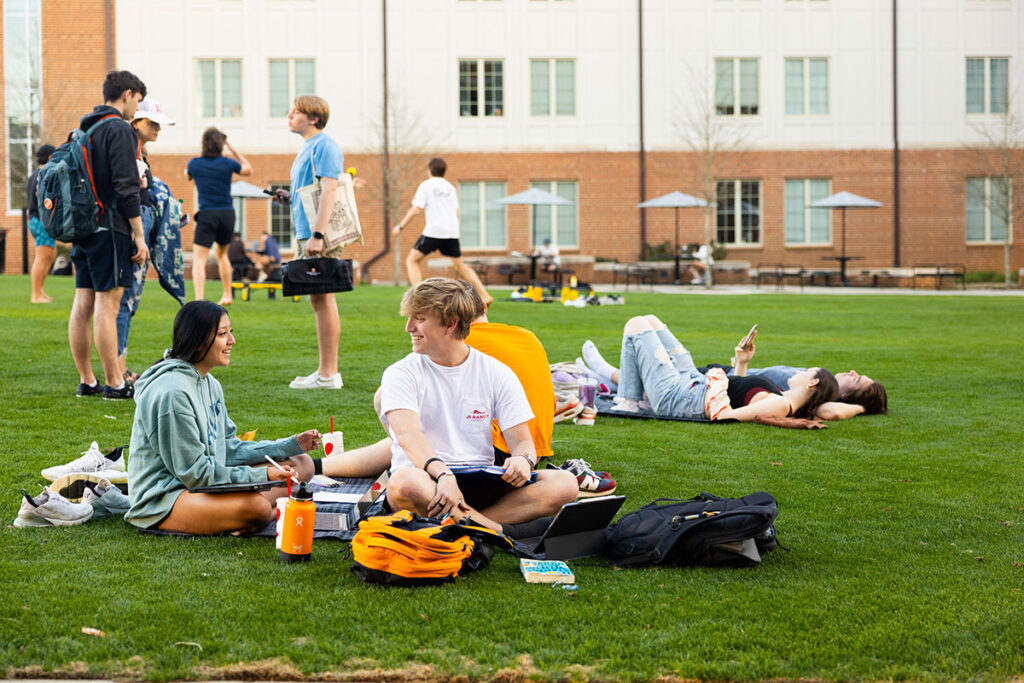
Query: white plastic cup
column 281, row 502
column 334, row 443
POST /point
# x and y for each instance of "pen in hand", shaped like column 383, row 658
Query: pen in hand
column 278, row 466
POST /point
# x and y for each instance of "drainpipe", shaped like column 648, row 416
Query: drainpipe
column 643, row 163
column 895, row 146
column 385, row 153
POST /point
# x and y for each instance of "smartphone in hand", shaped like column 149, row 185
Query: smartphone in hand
column 745, row 342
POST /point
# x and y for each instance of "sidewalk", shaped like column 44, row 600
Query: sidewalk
column 795, row 289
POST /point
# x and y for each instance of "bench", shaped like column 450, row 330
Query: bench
column 811, row 277
column 953, row 272
column 272, row 289
column 778, row 273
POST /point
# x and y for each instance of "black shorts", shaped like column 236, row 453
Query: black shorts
column 103, row 261
column 482, row 496
column 428, row 245
column 214, row 225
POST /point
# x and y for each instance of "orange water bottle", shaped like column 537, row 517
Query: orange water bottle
column 295, row 526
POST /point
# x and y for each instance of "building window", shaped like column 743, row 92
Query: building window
column 988, row 85
column 218, row 88
column 738, row 198
column 806, row 225
column 490, row 99
column 988, row 209
column 482, row 223
column 806, row 86
column 239, row 205
column 736, row 87
column 281, row 218
column 23, row 94
column 552, row 87
column 289, row 78
column 558, row 223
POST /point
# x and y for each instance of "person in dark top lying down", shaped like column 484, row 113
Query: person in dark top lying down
column 655, row 363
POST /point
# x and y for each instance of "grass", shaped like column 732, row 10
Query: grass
column 904, row 531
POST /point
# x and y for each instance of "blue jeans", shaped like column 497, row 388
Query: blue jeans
column 672, row 382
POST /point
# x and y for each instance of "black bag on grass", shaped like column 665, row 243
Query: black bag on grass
column 706, row 530
column 316, row 276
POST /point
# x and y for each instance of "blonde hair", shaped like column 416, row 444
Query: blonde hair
column 313, row 107
column 452, row 300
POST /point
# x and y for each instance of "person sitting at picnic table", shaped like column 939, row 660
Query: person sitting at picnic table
column 549, row 256
column 656, row 365
column 438, row 403
column 268, row 255
column 239, row 258
column 182, row 438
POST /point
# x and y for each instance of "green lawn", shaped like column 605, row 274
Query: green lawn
column 905, row 532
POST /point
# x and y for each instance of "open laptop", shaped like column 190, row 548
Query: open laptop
column 577, row 530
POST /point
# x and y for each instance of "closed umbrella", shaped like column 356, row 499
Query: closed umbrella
column 240, row 188
column 675, row 200
column 845, row 200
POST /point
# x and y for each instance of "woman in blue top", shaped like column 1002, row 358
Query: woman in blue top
column 215, row 220
column 182, row 438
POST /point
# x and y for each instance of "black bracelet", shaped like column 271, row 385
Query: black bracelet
column 430, row 460
column 446, row 472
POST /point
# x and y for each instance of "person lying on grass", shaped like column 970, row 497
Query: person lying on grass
column 182, row 438
column 438, row 403
column 655, row 363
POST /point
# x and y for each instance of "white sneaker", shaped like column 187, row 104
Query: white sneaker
column 315, row 381
column 92, row 461
column 105, row 499
column 51, row 509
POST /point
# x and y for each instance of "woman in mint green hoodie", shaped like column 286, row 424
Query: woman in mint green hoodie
column 182, row 438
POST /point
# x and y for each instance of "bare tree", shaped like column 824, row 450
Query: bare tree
column 1000, row 153
column 409, row 148
column 708, row 134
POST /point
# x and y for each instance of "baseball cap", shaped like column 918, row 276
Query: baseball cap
column 150, row 109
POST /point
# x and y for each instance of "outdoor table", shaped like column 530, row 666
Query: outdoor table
column 842, row 266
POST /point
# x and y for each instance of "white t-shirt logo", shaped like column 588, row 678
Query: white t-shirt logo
column 478, row 416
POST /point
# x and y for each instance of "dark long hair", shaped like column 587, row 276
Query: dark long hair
column 195, row 327
column 213, row 142
column 827, row 390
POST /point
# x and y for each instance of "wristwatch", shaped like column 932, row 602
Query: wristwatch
column 318, row 235
column 526, row 456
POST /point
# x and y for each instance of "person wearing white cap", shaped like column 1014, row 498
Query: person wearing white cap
column 146, row 123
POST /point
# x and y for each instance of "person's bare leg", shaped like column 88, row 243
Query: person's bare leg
column 471, row 276
column 199, row 256
column 80, row 334
column 224, row 268
column 366, row 461
column 104, row 332
column 328, row 332
column 412, row 266
column 216, row 513
column 41, row 264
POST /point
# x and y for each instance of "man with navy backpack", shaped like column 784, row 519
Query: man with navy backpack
column 103, row 259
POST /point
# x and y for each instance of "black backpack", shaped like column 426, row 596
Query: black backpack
column 705, row 530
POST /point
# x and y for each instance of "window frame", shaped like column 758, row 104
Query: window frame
column 480, row 230
column 280, row 212
column 218, row 88
column 481, row 89
column 986, row 85
column 737, row 227
column 553, row 100
column 986, row 207
column 552, row 187
column 31, row 91
column 737, row 89
column 807, row 214
column 293, row 90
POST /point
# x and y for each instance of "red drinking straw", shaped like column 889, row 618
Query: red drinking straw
column 332, row 423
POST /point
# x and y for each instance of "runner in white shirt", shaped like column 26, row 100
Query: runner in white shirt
column 437, row 199
column 437, row 404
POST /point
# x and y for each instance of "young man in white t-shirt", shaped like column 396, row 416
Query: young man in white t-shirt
column 437, row 404
column 437, row 200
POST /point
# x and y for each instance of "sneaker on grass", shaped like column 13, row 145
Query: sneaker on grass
column 73, row 486
column 315, row 381
column 567, row 409
column 110, row 466
column 89, row 389
column 105, row 499
column 591, row 483
column 126, row 392
column 51, row 509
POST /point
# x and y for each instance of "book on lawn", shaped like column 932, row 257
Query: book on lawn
column 546, row 571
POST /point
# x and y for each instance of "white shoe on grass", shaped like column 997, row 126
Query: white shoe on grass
column 105, row 499
column 315, row 381
column 51, row 509
column 92, row 461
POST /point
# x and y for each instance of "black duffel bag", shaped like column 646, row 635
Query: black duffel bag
column 706, row 530
column 316, row 276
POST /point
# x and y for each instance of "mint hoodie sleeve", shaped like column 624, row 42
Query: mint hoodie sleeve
column 238, row 452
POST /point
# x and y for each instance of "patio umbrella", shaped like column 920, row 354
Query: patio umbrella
column 536, row 197
column 240, row 188
column 844, row 201
column 675, row 200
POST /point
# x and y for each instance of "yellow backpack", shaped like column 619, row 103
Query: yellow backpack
column 404, row 548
